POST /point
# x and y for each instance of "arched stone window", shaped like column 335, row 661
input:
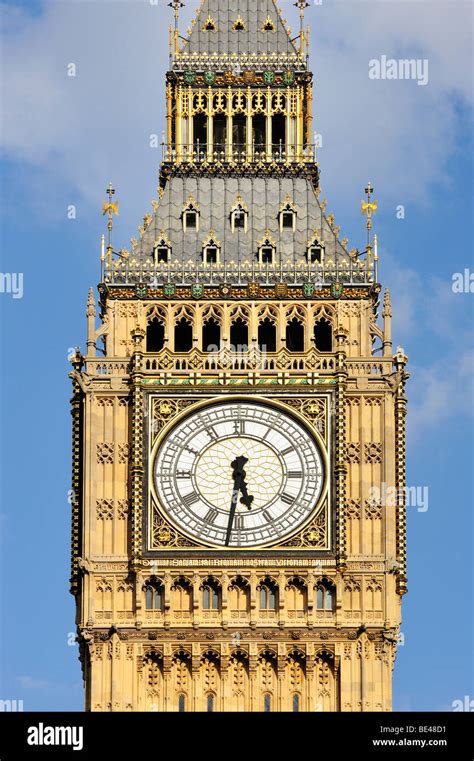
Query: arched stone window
column 154, row 594
column 268, row 595
column 325, row 596
column 323, row 336
column 295, row 335
column 190, row 216
column 210, row 595
column 155, row 336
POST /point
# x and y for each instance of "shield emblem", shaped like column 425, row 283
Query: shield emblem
column 189, row 77
column 169, row 290
column 141, row 291
column 197, row 290
column 288, row 77
column 268, row 77
column 308, row 290
column 209, row 77
column 337, row 289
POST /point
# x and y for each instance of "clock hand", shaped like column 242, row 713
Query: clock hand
column 239, row 486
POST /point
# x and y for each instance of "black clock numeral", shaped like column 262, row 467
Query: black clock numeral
column 287, row 499
column 211, row 516
column 287, row 451
column 238, row 523
column 183, row 474
column 239, row 427
column 295, row 474
column 190, row 499
column 267, row 516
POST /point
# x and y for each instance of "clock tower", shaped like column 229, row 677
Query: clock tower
column 239, row 414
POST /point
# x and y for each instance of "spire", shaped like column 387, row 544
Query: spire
column 387, row 325
column 256, row 28
column 369, row 208
column 91, row 315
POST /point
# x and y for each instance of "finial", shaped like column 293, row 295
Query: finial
column 387, row 304
column 110, row 209
column 176, row 5
column 369, row 208
column 302, row 5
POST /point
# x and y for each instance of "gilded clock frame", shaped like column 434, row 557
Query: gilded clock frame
column 325, row 501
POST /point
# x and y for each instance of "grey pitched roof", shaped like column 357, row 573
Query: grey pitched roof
column 225, row 40
column 216, row 196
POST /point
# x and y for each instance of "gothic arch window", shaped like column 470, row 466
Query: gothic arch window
column 296, row 703
column 210, row 595
column 267, row 336
column 295, row 335
column 209, row 25
column 323, row 339
column 268, row 25
column 155, row 336
column 183, row 336
column 239, row 598
column 287, row 214
column 211, row 250
column 211, row 335
column 315, row 252
column 181, row 703
column 268, row 595
column 190, row 216
column 154, row 594
column 239, row 335
column 267, row 703
column 210, row 702
column 296, row 598
column 239, row 216
column 238, row 25
column 325, row 596
column 182, row 596
column 266, row 251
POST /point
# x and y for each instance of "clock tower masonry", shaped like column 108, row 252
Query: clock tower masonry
column 239, row 413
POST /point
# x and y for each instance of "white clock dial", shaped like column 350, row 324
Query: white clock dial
column 195, row 476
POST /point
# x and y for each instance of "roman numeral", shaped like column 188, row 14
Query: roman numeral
column 287, row 499
column 287, row 451
column 183, row 474
column 295, row 474
column 267, row 516
column 211, row 516
column 239, row 427
column 238, row 523
column 211, row 433
column 190, row 499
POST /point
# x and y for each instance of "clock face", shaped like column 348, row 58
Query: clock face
column 239, row 474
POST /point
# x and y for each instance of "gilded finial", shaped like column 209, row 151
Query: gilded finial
column 302, row 5
column 369, row 208
column 110, row 209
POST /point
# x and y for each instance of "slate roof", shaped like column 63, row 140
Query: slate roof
column 215, row 197
column 225, row 40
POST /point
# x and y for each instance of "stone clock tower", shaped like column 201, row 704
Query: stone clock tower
column 238, row 413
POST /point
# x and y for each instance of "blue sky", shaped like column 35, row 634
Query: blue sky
column 63, row 139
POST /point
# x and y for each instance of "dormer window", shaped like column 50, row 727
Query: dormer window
column 238, row 25
column 190, row 220
column 211, row 255
column 239, row 216
column 288, row 216
column 211, row 250
column 209, row 25
column 162, row 250
column 267, row 250
column 315, row 252
column 268, row 26
column 191, row 216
